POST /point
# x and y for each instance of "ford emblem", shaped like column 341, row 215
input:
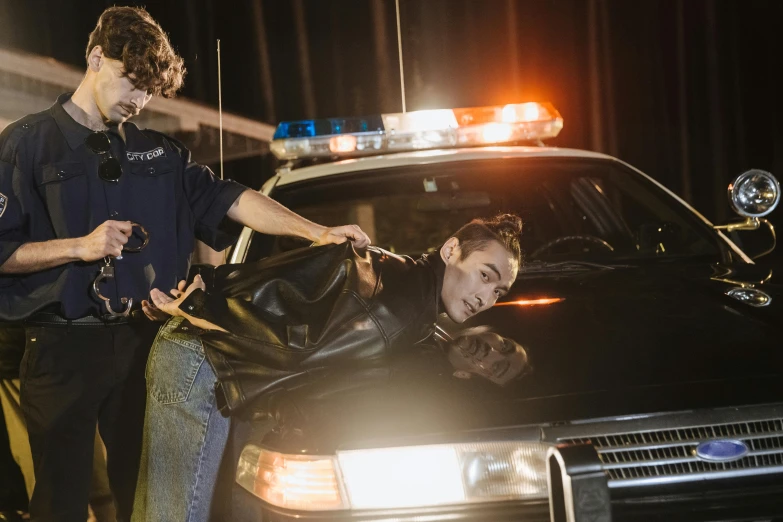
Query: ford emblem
column 722, row 450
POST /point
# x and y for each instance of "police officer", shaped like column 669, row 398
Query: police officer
column 82, row 188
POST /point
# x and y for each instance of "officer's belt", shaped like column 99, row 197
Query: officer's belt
column 50, row 319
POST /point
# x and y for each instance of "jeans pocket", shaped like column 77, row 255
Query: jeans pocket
column 174, row 361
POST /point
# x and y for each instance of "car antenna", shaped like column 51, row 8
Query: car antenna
column 399, row 51
column 220, row 110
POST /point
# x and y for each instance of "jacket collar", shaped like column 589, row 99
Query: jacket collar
column 435, row 262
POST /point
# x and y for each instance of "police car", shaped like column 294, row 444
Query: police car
column 655, row 340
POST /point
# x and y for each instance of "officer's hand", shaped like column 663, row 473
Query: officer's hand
column 169, row 305
column 154, row 313
column 343, row 234
column 106, row 240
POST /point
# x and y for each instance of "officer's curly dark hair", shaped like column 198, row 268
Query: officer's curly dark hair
column 131, row 35
column 505, row 228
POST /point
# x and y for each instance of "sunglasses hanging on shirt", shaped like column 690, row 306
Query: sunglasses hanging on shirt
column 109, row 169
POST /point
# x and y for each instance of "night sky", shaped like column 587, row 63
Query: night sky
column 688, row 91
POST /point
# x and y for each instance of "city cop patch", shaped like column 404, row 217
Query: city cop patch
column 146, row 156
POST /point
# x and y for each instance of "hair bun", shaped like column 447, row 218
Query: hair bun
column 506, row 228
column 510, row 224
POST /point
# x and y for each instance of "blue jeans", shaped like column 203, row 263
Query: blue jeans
column 184, row 434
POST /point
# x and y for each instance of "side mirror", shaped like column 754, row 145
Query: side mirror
column 753, row 195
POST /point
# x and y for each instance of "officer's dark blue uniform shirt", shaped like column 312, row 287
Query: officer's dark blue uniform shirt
column 50, row 189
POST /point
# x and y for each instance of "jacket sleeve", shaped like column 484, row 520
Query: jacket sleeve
column 284, row 324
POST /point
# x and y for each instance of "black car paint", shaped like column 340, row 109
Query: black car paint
column 624, row 341
column 627, row 341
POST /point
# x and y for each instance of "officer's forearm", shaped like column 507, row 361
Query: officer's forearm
column 34, row 257
column 267, row 216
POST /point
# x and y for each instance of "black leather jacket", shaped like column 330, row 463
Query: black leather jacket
column 293, row 316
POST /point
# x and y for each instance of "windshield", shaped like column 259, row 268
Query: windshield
column 573, row 209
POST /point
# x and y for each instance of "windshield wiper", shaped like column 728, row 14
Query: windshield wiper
column 565, row 266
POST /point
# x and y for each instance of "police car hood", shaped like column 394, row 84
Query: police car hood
column 618, row 341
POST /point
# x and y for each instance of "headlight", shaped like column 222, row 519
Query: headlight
column 411, row 476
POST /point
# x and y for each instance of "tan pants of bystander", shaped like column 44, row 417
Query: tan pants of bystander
column 101, row 503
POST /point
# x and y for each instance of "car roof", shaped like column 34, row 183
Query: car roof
column 425, row 157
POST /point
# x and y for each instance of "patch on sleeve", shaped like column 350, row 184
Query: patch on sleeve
column 3, row 203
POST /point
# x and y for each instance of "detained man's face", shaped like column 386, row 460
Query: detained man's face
column 473, row 284
column 114, row 93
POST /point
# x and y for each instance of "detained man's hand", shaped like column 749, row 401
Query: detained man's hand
column 170, row 306
column 154, row 313
column 343, row 234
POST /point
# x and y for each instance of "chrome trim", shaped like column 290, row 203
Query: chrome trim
column 641, row 447
column 733, row 196
column 661, row 421
column 239, row 252
column 727, row 273
column 639, row 463
column 679, row 479
column 752, row 223
column 562, row 477
column 578, row 489
column 750, row 296
column 685, row 460
column 774, row 239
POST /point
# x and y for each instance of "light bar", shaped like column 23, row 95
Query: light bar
column 401, row 477
column 508, row 123
column 420, row 130
column 416, row 130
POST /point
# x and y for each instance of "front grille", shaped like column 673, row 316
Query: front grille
column 644, row 456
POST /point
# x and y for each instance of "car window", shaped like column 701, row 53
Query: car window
column 572, row 209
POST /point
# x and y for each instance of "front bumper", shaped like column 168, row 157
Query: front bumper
column 752, row 500
column 740, row 498
column 247, row 507
column 749, row 503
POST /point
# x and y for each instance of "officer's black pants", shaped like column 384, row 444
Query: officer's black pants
column 71, row 378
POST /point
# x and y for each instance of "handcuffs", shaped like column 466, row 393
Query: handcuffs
column 107, row 272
